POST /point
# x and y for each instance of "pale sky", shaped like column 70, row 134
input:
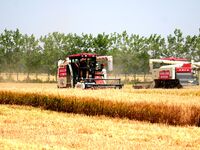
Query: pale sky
column 143, row 17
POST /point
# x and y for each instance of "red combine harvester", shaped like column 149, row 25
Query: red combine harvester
column 86, row 70
column 173, row 72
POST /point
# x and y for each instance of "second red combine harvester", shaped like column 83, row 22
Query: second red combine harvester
column 86, row 70
column 173, row 72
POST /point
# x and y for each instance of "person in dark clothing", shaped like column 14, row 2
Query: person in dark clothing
column 83, row 68
column 92, row 69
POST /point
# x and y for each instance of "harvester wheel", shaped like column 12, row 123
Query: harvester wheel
column 179, row 86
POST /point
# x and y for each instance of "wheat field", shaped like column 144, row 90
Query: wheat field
column 171, row 106
column 186, row 96
column 32, row 128
column 111, row 121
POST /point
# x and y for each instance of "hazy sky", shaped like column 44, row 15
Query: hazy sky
column 142, row 17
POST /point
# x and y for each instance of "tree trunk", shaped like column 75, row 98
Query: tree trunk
column 36, row 76
column 135, row 77
column 28, row 78
column 1, row 77
column 125, row 76
column 48, row 77
column 144, row 77
column 9, row 74
column 56, row 77
column 17, row 76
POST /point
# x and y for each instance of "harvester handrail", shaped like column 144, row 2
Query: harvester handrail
column 167, row 61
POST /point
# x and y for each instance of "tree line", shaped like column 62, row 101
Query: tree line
column 23, row 53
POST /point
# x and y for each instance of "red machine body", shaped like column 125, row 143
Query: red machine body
column 86, row 70
column 173, row 72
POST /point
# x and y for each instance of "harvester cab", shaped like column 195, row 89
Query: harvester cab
column 173, row 72
column 86, row 70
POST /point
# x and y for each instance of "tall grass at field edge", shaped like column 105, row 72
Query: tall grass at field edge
column 142, row 111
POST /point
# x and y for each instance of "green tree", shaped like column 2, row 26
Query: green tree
column 32, row 55
column 11, row 46
column 101, row 44
column 53, row 50
column 2, row 58
column 175, row 44
column 130, row 53
column 156, row 46
column 73, row 44
column 196, row 48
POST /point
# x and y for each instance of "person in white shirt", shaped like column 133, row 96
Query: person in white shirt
column 104, row 72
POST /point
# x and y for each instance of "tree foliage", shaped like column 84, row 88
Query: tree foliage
column 26, row 53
